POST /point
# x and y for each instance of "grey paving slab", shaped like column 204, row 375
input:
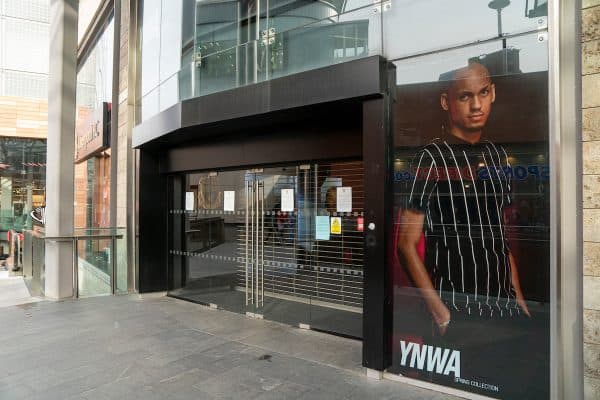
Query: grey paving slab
column 13, row 291
column 154, row 347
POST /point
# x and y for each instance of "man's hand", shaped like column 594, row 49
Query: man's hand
column 514, row 272
column 522, row 303
column 441, row 316
column 409, row 236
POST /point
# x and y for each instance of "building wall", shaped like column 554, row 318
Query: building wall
column 24, row 68
column 23, row 117
column 591, row 194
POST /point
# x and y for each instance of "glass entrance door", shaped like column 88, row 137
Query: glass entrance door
column 281, row 243
column 274, row 253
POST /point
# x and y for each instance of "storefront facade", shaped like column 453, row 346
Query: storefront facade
column 351, row 169
column 268, row 111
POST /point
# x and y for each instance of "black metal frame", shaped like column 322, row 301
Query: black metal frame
column 337, row 112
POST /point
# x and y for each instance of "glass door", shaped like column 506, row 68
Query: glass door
column 284, row 294
column 281, row 243
column 209, row 227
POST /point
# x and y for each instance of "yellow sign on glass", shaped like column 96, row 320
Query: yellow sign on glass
column 336, row 225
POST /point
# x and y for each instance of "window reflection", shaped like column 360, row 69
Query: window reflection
column 22, row 181
column 442, row 24
column 92, row 176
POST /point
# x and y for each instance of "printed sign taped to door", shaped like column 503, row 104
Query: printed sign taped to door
column 287, row 200
column 229, row 200
column 189, row 201
column 344, row 199
column 322, row 227
column 336, row 225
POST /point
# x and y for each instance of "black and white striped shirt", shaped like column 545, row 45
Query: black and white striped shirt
column 463, row 190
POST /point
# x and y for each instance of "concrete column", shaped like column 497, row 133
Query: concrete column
column 61, row 142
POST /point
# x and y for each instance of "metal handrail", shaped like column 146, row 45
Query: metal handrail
column 75, row 238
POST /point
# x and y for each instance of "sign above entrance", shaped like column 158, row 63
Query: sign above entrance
column 92, row 134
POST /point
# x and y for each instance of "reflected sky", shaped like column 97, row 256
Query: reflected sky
column 413, row 27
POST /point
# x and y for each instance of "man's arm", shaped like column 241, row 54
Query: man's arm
column 411, row 227
column 514, row 274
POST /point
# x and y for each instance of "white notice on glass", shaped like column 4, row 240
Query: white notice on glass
column 229, row 200
column 189, row 201
column 287, row 200
column 344, row 199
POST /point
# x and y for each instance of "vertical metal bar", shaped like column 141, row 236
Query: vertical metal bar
column 257, row 245
column 257, row 38
column 237, row 46
column 75, row 268
column 295, row 234
column 252, row 241
column 262, row 246
column 113, row 262
column 315, row 262
column 566, row 240
column 267, row 58
column 247, row 184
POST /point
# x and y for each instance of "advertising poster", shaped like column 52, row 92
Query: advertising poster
column 472, row 263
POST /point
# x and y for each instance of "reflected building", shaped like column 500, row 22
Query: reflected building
column 23, row 118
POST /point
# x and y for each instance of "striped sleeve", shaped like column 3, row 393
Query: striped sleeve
column 423, row 182
column 509, row 191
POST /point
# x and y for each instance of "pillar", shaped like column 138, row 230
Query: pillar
column 60, row 147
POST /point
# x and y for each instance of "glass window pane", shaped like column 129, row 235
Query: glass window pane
column 150, row 104
column 170, row 38
column 25, row 84
column 35, row 10
column 471, row 278
column 87, row 9
column 94, row 79
column 25, row 46
column 428, row 68
column 439, row 24
column 533, row 51
column 150, row 45
column 169, row 92
column 22, row 179
column 187, row 22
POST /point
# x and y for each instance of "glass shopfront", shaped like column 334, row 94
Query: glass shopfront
column 283, row 243
column 465, row 299
column 93, row 168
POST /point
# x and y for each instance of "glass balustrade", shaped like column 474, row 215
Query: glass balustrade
column 217, row 63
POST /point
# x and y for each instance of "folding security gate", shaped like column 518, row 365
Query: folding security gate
column 295, row 234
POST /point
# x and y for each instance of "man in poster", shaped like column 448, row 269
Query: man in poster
column 468, row 277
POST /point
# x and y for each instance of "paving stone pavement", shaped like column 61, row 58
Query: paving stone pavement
column 156, row 347
column 13, row 290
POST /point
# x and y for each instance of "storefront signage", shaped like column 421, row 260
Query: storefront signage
column 92, row 134
column 472, row 229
